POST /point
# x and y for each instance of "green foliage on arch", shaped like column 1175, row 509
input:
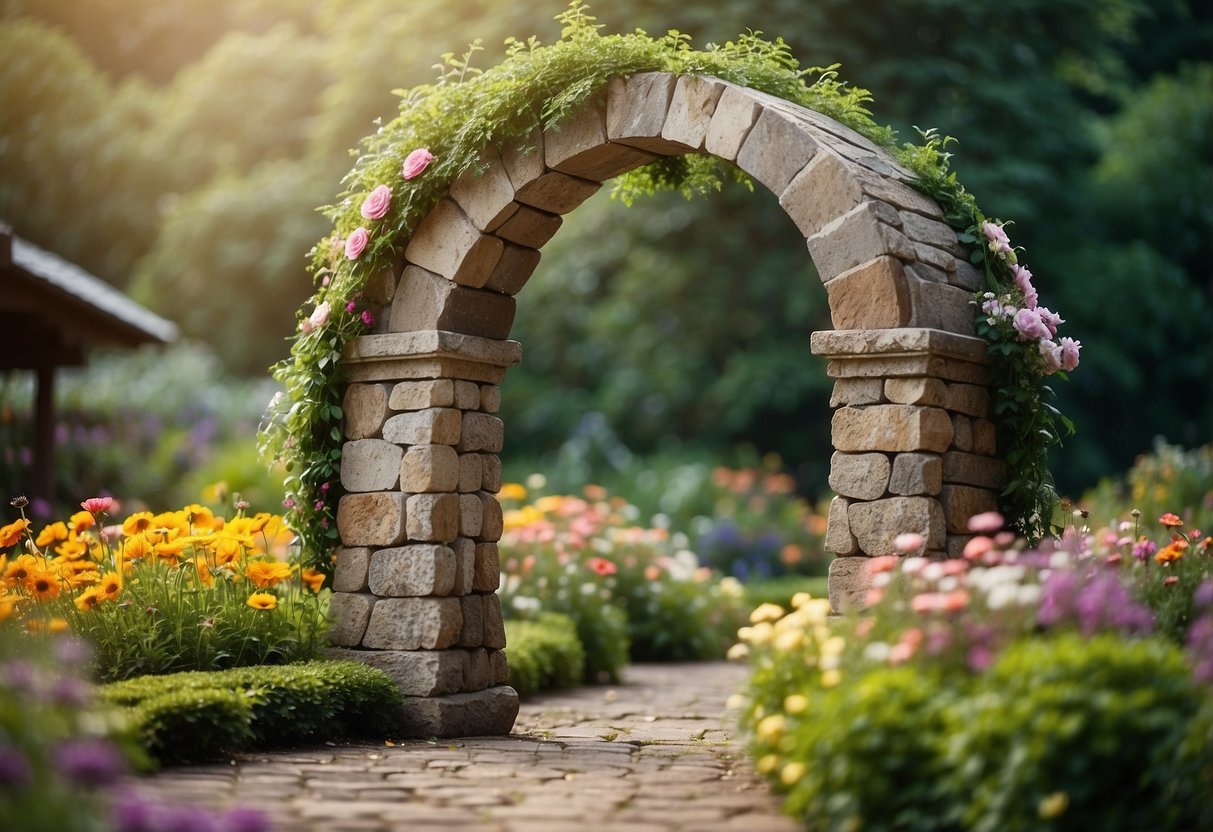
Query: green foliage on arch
column 541, row 86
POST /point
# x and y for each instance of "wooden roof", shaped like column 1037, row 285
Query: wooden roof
column 52, row 311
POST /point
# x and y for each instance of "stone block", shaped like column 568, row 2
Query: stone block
column 966, row 276
column 486, row 568
column 467, row 395
column 422, row 395
column 916, row 475
column 930, row 231
column 556, row 192
column 471, row 514
column 962, row 433
column 891, row 427
column 957, row 543
column 776, row 149
column 969, row 399
column 481, row 432
column 636, row 112
column 415, row 672
column 486, row 195
column 872, row 296
column 499, row 666
column 417, row 569
column 490, row 398
column 849, row 581
column 471, row 471
column 876, row 524
column 465, row 566
column 479, row 672
column 857, row 391
column 484, row 713
column 428, row 469
column 825, row 189
column 971, row 469
column 350, row 612
column 428, row 301
column 523, row 161
column 433, row 517
column 370, row 465
column 941, row 306
column 691, row 108
column 435, row 426
column 380, row 287
column 374, row 519
column 859, row 476
column 579, row 147
column 491, row 524
column 515, row 268
column 856, row 238
column 732, row 121
column 472, row 632
column 490, row 473
column 960, row 502
column 447, row 243
column 364, row 409
column 494, row 625
column 839, row 539
column 350, row 571
column 414, row 624
column 985, row 437
column 530, row 227
column 925, row 391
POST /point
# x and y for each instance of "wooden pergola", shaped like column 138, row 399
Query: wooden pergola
column 51, row 313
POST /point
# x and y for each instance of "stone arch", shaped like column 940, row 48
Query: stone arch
column 914, row 446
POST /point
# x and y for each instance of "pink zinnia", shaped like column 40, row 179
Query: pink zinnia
column 1069, row 353
column 377, row 202
column 417, row 162
column 97, row 505
column 356, row 243
column 987, row 521
column 908, row 542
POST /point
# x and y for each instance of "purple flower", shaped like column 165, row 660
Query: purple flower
column 15, row 770
column 1030, row 326
column 1144, row 549
column 1203, row 597
column 367, row 318
column 69, row 691
column 89, row 762
column 130, row 813
column 18, row 675
column 187, row 819
column 1200, row 649
column 351, row 306
column 241, row 819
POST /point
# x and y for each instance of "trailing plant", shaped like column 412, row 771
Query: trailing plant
column 407, row 165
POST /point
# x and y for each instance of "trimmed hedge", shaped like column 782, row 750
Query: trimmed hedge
column 200, row 715
column 544, row 653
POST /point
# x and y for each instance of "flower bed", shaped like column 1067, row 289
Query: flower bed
column 1064, row 687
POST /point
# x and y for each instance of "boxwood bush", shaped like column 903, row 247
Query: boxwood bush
column 544, row 653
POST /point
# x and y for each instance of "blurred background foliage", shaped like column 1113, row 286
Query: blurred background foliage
column 177, row 149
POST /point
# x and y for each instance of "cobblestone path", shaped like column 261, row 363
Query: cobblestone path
column 656, row 753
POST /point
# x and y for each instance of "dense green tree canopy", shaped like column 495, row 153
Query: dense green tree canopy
column 179, row 149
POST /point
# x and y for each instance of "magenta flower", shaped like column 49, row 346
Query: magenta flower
column 355, row 244
column 97, row 505
column 999, row 243
column 1029, row 325
column 367, row 318
column 377, row 202
column 1069, row 353
column 1023, row 280
column 417, row 162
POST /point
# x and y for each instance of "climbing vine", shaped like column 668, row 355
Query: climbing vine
column 407, row 165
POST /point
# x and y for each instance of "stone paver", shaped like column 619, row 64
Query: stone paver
column 657, row 753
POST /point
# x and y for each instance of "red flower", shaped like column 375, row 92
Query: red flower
column 602, row 566
column 1170, row 519
column 97, row 505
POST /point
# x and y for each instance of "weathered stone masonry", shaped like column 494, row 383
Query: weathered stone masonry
column 914, row 447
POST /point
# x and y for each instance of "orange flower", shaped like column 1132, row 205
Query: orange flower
column 57, row 625
column 43, row 584
column 227, row 548
column 136, row 547
column 8, row 605
column 73, row 548
column 51, row 534
column 314, row 579
column 10, row 534
column 1170, row 519
column 19, row 571
column 170, row 549
column 81, row 520
column 266, row 573
column 204, row 571
column 75, row 580
column 1172, row 551
column 262, row 601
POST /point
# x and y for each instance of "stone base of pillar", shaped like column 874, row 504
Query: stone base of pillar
column 484, row 713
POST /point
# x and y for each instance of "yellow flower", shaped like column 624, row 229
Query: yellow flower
column 51, row 534
column 796, row 703
column 111, row 586
column 830, row 678
column 170, row 549
column 1053, row 806
column 766, row 612
column 200, row 517
column 19, row 571
column 314, row 579
column 81, row 520
column 512, row 491
column 771, row 728
column 43, row 584
column 262, row 601
column 10, row 534
column 792, row 773
column 767, row 763
column 137, row 523
column 8, row 605
column 57, row 625
column 89, row 599
column 78, row 578
column 205, row 577
column 72, row 548
column 266, row 573
column 136, row 547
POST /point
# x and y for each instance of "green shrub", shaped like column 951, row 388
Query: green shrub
column 779, row 591
column 1168, row 479
column 196, row 715
column 544, row 654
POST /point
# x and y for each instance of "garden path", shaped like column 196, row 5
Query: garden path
column 657, row 753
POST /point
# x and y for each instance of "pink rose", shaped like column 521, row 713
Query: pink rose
column 999, row 243
column 318, row 318
column 1051, row 353
column 1069, row 353
column 376, row 203
column 1029, row 325
column 1023, row 280
column 417, row 162
column 356, row 242
column 1050, row 319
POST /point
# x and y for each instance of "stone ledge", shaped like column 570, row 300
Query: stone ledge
column 432, row 344
column 904, row 341
column 485, row 713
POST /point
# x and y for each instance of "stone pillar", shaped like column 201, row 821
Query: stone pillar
column 914, row 447
column 414, row 591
